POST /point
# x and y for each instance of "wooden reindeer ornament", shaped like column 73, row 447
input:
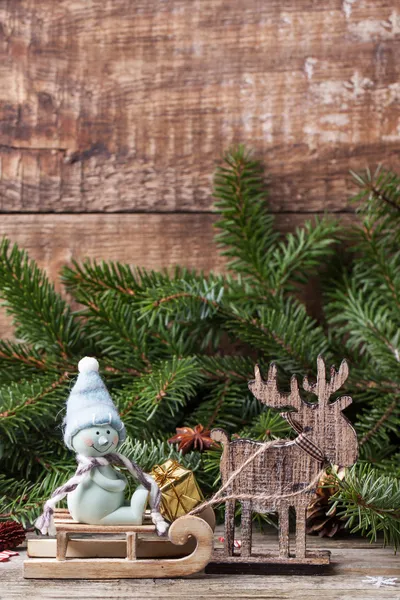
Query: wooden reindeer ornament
column 277, row 475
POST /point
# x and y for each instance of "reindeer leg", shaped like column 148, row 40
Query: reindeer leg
column 246, row 523
column 301, row 531
column 229, row 527
column 283, row 531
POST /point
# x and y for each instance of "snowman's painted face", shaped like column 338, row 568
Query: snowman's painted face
column 95, row 441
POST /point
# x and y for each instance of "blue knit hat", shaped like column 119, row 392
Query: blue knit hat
column 89, row 403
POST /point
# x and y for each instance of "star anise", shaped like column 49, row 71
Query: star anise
column 188, row 439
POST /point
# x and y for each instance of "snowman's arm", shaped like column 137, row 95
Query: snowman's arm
column 110, row 485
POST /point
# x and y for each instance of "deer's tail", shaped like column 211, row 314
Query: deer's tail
column 220, row 435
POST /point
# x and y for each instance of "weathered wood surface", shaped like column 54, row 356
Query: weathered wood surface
column 150, row 240
column 122, row 106
column 126, row 107
column 352, row 560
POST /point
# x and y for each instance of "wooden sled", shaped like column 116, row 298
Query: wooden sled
column 142, row 554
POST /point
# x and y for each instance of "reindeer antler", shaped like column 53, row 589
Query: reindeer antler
column 322, row 388
column 267, row 391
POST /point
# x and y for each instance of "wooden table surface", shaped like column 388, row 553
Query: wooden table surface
column 353, row 559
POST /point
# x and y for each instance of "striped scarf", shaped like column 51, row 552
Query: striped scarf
column 45, row 523
column 302, row 440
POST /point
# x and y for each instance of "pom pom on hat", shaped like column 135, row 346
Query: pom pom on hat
column 88, row 363
column 89, row 403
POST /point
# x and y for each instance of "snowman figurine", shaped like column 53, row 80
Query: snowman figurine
column 93, row 430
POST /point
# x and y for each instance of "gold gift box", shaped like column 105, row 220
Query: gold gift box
column 179, row 490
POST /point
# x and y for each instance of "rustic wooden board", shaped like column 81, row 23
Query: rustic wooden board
column 352, row 560
column 121, row 106
column 148, row 240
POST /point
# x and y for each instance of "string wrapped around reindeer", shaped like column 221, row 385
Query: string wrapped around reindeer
column 96, row 493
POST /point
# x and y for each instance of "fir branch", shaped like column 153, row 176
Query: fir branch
column 378, row 426
column 225, row 404
column 22, row 500
column 369, row 501
column 20, row 361
column 237, row 367
column 283, row 330
column 93, row 278
column 381, row 196
column 147, row 454
column 114, row 330
column 299, row 255
column 267, row 426
column 40, row 315
column 381, row 191
column 369, row 325
column 247, row 235
column 376, row 267
column 33, row 458
column 154, row 401
column 222, row 393
column 30, row 405
column 247, row 230
column 198, row 299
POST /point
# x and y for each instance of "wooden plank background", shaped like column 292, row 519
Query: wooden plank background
column 114, row 114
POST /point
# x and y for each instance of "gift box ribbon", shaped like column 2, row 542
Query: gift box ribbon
column 180, row 492
column 168, row 473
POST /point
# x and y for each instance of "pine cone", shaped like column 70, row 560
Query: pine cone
column 318, row 521
column 11, row 535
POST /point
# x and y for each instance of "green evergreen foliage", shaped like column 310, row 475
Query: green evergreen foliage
column 177, row 347
column 370, row 501
column 364, row 313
